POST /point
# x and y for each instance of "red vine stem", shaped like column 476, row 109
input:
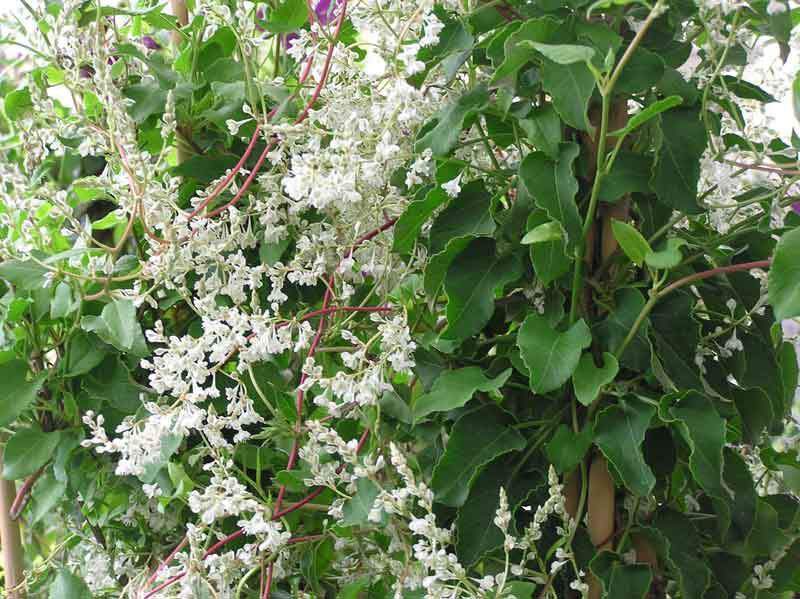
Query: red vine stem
column 23, row 495
column 302, row 117
column 706, row 274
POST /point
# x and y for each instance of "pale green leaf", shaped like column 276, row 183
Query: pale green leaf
column 545, row 232
column 631, row 241
column 563, row 54
column 784, row 276
column 454, row 388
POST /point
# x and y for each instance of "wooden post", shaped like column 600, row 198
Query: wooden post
column 10, row 542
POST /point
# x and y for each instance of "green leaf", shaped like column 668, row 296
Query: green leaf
column 16, row 391
column 745, row 89
column 476, row 439
column 443, row 137
column 553, row 187
column 549, row 259
column 551, row 356
column 408, row 226
column 563, row 54
column 683, row 543
column 631, row 241
column 68, row 586
column 668, row 256
column 62, row 304
column 630, row 173
column 46, row 495
column 628, row 304
column 477, row 533
column 545, row 232
column 703, row 429
column 677, row 167
column 588, row 379
column 755, row 409
column 17, row 103
column 436, row 269
column 543, row 128
column 84, row 352
column 470, row 286
column 520, row 589
column 566, row 449
column 454, row 388
column 25, row 276
column 643, row 70
column 570, row 87
column 620, row 580
column 148, row 99
column 784, row 276
column 290, row 15
column 619, row 433
column 113, row 383
column 468, row 214
column 118, row 325
column 516, row 53
column 648, row 113
column 743, row 500
column 356, row 510
column 26, row 451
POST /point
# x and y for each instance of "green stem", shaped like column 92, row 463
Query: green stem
column 602, row 167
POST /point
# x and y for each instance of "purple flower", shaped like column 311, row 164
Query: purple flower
column 325, row 11
column 151, row 44
column 796, row 207
column 85, row 72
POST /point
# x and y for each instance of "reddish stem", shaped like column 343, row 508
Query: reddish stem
column 706, row 274
column 167, row 560
column 225, row 182
column 302, row 117
column 23, row 495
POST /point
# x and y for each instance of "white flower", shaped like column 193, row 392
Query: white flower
column 776, row 7
column 453, row 187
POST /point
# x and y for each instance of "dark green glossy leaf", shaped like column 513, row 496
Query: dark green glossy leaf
column 476, row 439
column 570, row 87
column 677, row 168
column 470, row 286
column 543, row 128
column 551, row 356
column 26, row 451
column 553, row 187
column 703, row 429
column 17, row 390
column 566, row 449
column 408, row 226
column 619, row 433
column 444, row 135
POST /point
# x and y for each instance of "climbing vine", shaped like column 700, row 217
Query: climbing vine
column 402, row 299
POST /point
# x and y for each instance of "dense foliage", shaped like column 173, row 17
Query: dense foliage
column 399, row 299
